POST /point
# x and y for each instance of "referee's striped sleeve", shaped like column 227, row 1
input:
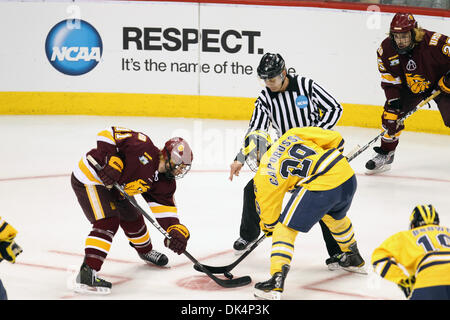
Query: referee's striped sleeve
column 260, row 119
column 332, row 110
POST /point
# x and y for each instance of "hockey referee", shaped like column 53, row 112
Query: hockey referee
column 286, row 102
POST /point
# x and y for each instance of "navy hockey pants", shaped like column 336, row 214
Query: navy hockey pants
column 3, row 295
column 431, row 293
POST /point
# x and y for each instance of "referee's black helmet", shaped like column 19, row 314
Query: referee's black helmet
column 270, row 66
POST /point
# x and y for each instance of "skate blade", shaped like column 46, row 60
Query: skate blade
column 85, row 289
column 239, row 253
column 384, row 168
column 151, row 264
column 269, row 295
column 360, row 270
column 333, row 266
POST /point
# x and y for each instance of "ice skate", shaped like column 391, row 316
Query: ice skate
column 88, row 282
column 380, row 162
column 241, row 245
column 272, row 288
column 349, row 261
column 154, row 257
column 333, row 262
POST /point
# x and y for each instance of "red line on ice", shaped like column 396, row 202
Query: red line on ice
column 227, row 171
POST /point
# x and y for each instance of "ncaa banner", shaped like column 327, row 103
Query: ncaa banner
column 184, row 59
column 188, row 48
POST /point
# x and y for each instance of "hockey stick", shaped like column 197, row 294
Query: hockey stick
column 399, row 121
column 226, row 269
column 229, row 283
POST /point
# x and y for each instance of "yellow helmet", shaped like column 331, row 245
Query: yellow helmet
column 423, row 215
column 256, row 144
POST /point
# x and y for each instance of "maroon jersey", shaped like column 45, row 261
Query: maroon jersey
column 140, row 173
column 417, row 72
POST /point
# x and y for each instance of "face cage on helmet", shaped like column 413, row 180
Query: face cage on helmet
column 408, row 48
column 172, row 167
column 252, row 161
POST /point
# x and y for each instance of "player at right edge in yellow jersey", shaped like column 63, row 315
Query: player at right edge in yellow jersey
column 423, row 252
column 308, row 162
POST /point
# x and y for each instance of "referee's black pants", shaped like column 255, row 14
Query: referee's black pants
column 250, row 229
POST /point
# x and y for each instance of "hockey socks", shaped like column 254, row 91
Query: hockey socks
column 99, row 240
column 137, row 233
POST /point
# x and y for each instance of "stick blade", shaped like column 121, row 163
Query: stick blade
column 226, row 283
column 234, row 283
column 212, row 269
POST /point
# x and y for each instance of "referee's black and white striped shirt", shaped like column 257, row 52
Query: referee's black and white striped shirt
column 303, row 104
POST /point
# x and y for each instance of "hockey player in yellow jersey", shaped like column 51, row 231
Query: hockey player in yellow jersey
column 423, row 252
column 309, row 163
column 9, row 249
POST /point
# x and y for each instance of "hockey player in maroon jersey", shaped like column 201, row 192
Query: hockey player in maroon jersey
column 413, row 62
column 132, row 160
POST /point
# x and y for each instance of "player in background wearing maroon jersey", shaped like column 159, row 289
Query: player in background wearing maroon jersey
column 413, row 62
column 130, row 159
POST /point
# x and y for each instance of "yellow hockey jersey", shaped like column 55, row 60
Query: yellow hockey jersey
column 423, row 252
column 309, row 157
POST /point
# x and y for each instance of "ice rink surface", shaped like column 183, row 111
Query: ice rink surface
column 39, row 152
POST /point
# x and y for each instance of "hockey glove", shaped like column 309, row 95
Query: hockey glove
column 7, row 235
column 407, row 285
column 444, row 83
column 9, row 252
column 390, row 116
column 268, row 230
column 111, row 172
column 179, row 235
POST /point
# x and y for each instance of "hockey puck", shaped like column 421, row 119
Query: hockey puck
column 228, row 275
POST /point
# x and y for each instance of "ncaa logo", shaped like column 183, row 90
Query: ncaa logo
column 301, row 102
column 73, row 49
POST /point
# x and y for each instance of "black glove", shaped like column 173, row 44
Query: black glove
column 391, row 113
column 179, row 235
column 111, row 172
column 444, row 83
